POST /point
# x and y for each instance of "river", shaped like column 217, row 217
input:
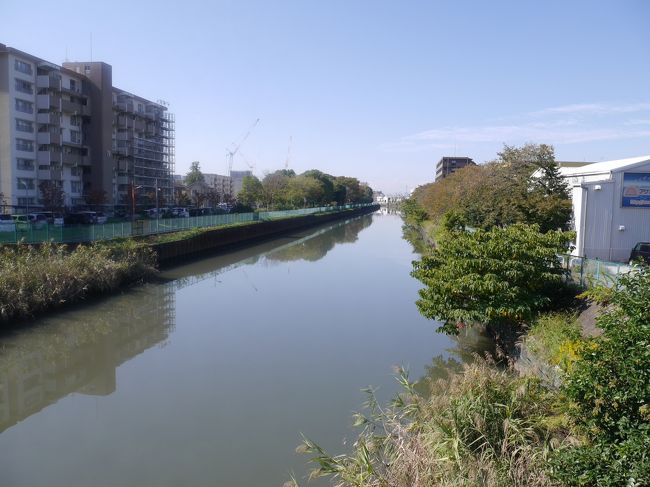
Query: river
column 209, row 377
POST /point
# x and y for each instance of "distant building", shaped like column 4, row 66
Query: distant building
column 221, row 184
column 611, row 206
column 238, row 180
column 448, row 165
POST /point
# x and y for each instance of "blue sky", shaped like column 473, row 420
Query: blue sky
column 378, row 89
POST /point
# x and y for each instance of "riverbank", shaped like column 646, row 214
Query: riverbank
column 570, row 408
column 38, row 278
column 193, row 243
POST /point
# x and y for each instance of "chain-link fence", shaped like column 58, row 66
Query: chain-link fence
column 593, row 272
column 41, row 232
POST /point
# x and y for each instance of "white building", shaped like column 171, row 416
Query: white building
column 611, row 207
column 237, row 178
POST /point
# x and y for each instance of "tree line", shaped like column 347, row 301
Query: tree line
column 284, row 189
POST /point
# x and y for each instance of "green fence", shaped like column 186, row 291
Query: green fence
column 593, row 272
column 35, row 232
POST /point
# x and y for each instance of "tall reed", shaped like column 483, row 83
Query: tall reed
column 34, row 279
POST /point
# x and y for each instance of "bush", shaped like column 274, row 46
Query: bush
column 610, row 388
column 554, row 338
column 498, row 276
column 33, row 279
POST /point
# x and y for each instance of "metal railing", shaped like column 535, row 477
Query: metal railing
column 40, row 232
column 593, row 272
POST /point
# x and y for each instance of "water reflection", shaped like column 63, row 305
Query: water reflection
column 80, row 350
column 309, row 245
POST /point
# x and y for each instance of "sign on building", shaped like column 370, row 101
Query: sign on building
column 636, row 189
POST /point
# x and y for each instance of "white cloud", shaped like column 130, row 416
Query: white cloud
column 595, row 109
column 569, row 124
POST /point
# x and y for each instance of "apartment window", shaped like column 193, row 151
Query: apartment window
column 24, row 86
column 26, row 201
column 73, row 85
column 25, row 164
column 25, row 183
column 24, row 106
column 25, row 145
column 75, row 186
column 75, row 137
column 22, row 66
column 75, row 120
column 87, row 70
column 140, row 108
column 24, row 125
column 75, row 171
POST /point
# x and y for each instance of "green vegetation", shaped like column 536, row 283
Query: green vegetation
column 194, row 175
column 522, row 185
column 498, row 276
column 34, row 279
column 610, row 390
column 481, row 427
column 555, row 338
column 284, row 190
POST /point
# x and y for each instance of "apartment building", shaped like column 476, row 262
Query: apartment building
column 221, row 184
column 237, row 178
column 448, row 165
column 69, row 127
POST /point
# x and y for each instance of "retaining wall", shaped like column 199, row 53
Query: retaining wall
column 221, row 238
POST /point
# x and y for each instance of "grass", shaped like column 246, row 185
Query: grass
column 554, row 338
column 35, row 279
column 481, row 427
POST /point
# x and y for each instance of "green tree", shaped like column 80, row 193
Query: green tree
column 523, row 185
column 252, row 192
column 496, row 276
column 194, row 175
column 327, row 183
column 610, row 389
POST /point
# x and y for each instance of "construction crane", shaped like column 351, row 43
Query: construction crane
column 251, row 165
column 286, row 162
column 235, row 147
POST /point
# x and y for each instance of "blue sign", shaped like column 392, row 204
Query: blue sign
column 636, row 189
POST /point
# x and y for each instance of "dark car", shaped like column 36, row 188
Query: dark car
column 641, row 250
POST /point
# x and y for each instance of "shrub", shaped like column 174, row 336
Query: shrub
column 33, row 279
column 498, row 276
column 610, row 389
column 554, row 337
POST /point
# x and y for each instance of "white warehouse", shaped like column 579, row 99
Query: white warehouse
column 611, row 207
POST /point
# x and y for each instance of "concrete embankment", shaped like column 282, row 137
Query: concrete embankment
column 222, row 238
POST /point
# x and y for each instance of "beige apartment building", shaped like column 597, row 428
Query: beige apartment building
column 68, row 125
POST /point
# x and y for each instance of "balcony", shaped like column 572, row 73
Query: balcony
column 48, row 102
column 124, row 107
column 48, row 157
column 123, row 151
column 49, row 118
column 49, row 82
column 49, row 138
column 140, row 126
column 75, row 160
column 68, row 106
column 124, row 122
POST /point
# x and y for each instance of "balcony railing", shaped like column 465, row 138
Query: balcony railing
column 46, row 81
column 49, row 118
column 49, row 138
column 48, row 102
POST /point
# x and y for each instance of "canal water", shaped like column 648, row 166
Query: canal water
column 210, row 377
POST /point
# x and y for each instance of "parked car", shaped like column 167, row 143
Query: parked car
column 21, row 221
column 38, row 220
column 52, row 218
column 640, row 250
column 100, row 217
column 7, row 224
column 80, row 218
column 180, row 213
